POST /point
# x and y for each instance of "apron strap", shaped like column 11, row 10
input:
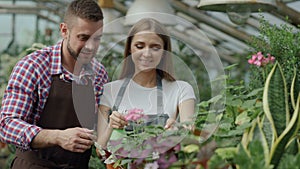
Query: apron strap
column 159, row 95
column 160, row 112
column 120, row 94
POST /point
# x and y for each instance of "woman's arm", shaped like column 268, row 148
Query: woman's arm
column 186, row 111
column 105, row 127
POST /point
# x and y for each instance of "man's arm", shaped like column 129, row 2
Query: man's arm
column 17, row 117
column 73, row 139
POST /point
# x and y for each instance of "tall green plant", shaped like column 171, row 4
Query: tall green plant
column 276, row 130
column 282, row 42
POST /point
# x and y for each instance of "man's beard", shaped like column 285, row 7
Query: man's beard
column 72, row 52
column 76, row 55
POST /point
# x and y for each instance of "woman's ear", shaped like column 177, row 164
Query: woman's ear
column 63, row 30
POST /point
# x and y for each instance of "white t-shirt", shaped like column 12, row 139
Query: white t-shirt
column 137, row 96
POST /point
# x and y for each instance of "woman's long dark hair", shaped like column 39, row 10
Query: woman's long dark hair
column 165, row 68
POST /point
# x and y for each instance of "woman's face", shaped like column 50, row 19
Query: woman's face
column 147, row 49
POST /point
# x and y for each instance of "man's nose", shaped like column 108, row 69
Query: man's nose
column 90, row 45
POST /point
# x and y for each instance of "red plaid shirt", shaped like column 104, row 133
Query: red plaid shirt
column 27, row 91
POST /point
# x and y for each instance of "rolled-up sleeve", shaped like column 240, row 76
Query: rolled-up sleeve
column 17, row 113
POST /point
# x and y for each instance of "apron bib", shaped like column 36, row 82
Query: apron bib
column 59, row 113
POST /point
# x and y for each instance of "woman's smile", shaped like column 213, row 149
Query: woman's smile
column 147, row 50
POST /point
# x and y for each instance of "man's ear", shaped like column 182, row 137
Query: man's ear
column 63, row 30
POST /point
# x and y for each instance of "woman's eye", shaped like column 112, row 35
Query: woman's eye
column 156, row 48
column 139, row 46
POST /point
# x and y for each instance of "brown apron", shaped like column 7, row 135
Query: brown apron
column 59, row 113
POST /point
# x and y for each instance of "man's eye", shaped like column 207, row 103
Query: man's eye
column 83, row 37
column 97, row 39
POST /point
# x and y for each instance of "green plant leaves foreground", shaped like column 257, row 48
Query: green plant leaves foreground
column 278, row 127
column 275, row 101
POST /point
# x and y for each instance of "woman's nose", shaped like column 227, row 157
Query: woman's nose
column 147, row 52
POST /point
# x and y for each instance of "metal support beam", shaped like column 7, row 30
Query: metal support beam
column 24, row 9
column 120, row 7
column 197, row 15
column 201, row 17
column 284, row 10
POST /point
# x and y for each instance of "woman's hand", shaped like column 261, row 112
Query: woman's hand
column 170, row 123
column 117, row 120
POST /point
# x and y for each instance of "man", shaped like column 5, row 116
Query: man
column 37, row 114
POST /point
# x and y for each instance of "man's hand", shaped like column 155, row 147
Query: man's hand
column 72, row 139
column 76, row 139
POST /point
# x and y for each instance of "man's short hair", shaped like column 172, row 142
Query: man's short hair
column 84, row 9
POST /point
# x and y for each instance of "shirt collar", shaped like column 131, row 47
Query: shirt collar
column 55, row 57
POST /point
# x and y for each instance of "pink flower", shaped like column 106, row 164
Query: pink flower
column 135, row 115
column 254, row 57
column 251, row 62
column 260, row 56
column 258, row 63
column 135, row 110
column 271, row 58
column 259, row 59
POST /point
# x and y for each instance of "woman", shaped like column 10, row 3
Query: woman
column 146, row 82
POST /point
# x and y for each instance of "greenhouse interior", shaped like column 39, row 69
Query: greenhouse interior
column 241, row 58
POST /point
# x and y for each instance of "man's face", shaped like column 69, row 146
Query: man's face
column 83, row 39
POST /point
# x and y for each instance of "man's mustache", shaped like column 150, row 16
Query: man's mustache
column 84, row 50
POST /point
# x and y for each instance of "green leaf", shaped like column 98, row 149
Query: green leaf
column 125, row 161
column 261, row 136
column 267, row 130
column 295, row 88
column 293, row 146
column 242, row 118
column 275, row 101
column 231, row 66
column 291, row 130
column 215, row 99
column 236, row 102
column 290, row 162
column 217, row 162
column 203, row 104
column 248, row 104
column 227, row 152
column 255, row 92
column 252, row 157
column 191, row 148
